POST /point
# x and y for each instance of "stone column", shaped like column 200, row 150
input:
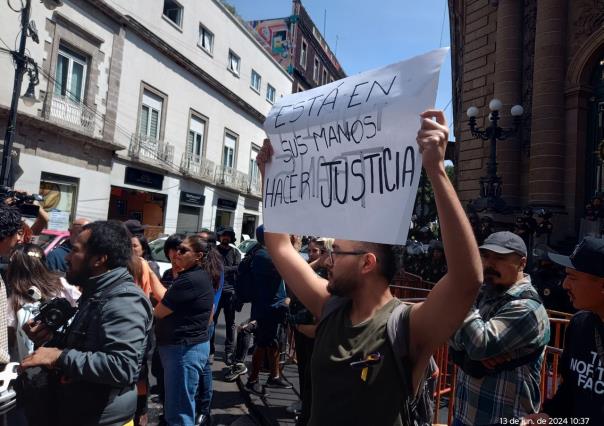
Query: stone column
column 508, row 89
column 546, row 174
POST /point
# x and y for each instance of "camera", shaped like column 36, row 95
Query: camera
column 22, row 200
column 55, row 313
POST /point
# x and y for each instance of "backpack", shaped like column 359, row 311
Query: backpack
column 418, row 410
column 244, row 286
column 477, row 369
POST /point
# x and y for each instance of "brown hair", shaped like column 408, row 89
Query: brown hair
column 211, row 261
column 26, row 269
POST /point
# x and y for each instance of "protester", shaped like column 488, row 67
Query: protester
column 56, row 258
column 162, row 330
column 212, row 264
column 140, row 247
column 303, row 324
column 99, row 357
column 227, row 304
column 25, row 234
column 183, row 312
column 354, row 320
column 501, row 343
column 10, row 225
column 245, row 334
column 31, row 283
column 268, row 310
column 580, row 396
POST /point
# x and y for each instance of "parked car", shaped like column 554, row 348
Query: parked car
column 48, row 239
column 246, row 246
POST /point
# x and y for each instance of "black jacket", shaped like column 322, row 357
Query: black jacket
column 231, row 259
column 103, row 351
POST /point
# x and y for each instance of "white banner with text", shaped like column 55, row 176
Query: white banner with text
column 346, row 162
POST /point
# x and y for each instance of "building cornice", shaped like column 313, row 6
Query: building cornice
column 180, row 59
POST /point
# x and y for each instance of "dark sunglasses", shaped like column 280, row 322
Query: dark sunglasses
column 182, row 250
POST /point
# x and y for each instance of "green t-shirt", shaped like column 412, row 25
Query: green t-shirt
column 340, row 396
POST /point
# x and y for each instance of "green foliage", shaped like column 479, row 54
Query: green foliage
column 425, row 204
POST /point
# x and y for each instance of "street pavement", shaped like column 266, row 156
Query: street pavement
column 231, row 404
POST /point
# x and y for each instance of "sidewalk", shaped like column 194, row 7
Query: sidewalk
column 270, row 410
column 228, row 403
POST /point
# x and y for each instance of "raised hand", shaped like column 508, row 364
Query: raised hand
column 432, row 139
column 264, row 156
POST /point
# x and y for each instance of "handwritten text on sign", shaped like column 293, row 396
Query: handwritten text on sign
column 346, row 163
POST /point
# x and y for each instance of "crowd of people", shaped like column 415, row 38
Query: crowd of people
column 85, row 321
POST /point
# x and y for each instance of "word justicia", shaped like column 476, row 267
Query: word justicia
column 347, row 178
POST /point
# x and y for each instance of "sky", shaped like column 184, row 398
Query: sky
column 366, row 35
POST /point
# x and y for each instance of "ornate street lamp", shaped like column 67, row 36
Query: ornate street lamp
column 491, row 184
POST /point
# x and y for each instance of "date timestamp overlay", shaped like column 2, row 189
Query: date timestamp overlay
column 550, row 421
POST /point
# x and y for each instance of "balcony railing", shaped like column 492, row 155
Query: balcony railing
column 74, row 115
column 255, row 186
column 151, row 150
column 231, row 178
column 198, row 167
column 201, row 168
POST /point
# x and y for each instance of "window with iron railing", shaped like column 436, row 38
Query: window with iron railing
column 70, row 74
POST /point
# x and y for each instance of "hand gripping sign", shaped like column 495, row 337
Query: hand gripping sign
column 346, row 162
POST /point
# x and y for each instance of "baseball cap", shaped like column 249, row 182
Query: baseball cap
column 588, row 257
column 135, row 227
column 504, row 242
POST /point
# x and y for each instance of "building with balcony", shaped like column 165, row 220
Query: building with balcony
column 298, row 45
column 151, row 111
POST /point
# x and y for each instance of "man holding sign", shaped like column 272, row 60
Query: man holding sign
column 354, row 369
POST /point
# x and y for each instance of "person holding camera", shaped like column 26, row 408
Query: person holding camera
column 96, row 361
column 31, row 284
column 10, row 225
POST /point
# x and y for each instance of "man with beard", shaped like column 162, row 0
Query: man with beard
column 499, row 348
column 228, row 302
column 98, row 358
column 355, row 305
column 581, row 394
column 56, row 259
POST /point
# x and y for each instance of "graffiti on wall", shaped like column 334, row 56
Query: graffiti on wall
column 274, row 33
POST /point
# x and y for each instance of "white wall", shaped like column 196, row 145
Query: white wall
column 184, row 92
column 228, row 34
column 93, row 190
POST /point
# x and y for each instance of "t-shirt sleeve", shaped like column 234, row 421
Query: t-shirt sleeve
column 181, row 292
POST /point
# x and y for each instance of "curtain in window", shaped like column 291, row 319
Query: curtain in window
column 153, row 125
column 75, row 86
column 144, row 121
column 61, row 75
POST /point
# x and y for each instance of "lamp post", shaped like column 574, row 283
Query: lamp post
column 23, row 64
column 491, row 184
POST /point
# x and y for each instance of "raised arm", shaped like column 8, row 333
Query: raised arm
column 299, row 276
column 436, row 319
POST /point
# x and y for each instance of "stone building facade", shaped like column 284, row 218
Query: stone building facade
column 548, row 56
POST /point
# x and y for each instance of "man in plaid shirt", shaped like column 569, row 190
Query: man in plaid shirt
column 500, row 344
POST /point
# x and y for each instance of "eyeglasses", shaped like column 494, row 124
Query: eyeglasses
column 333, row 253
column 182, row 250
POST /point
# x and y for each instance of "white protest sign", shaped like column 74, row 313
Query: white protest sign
column 346, row 162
